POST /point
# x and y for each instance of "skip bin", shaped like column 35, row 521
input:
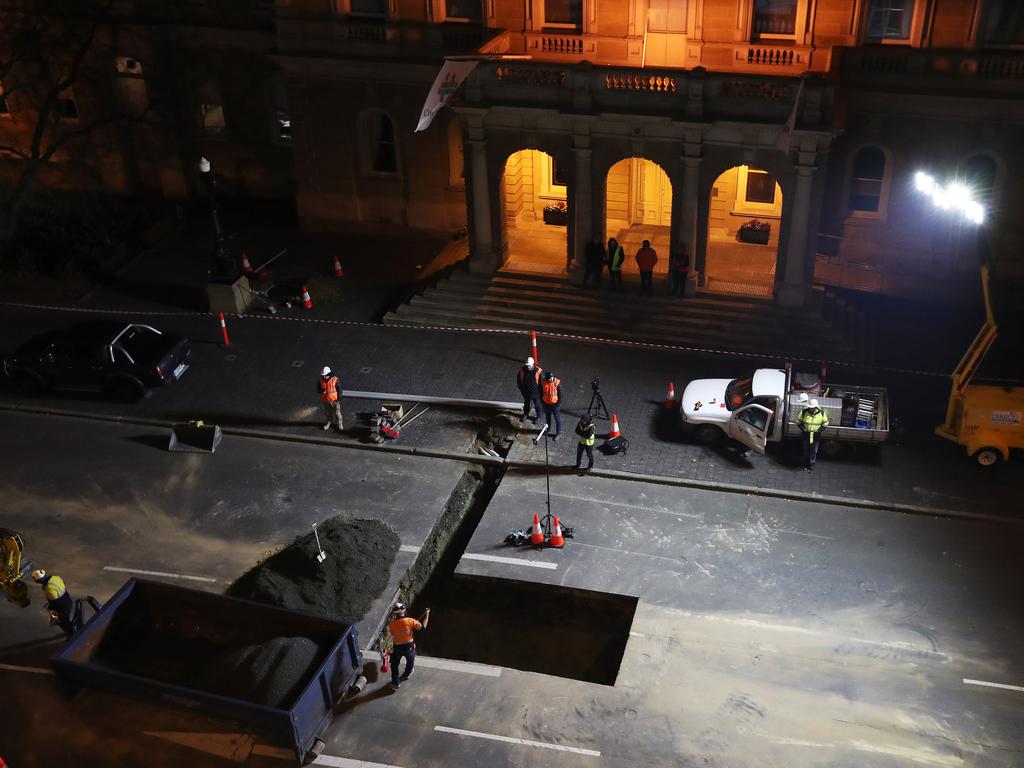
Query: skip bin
column 278, row 670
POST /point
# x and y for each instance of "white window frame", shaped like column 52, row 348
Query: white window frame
column 799, row 36
column 367, row 146
column 548, row 188
column 882, row 214
column 540, row 23
column 745, row 207
column 344, row 8
column 916, row 36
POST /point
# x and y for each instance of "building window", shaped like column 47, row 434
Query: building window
column 462, row 10
column 563, row 12
column 774, row 18
column 890, row 19
column 1002, row 23
column 66, row 108
column 368, row 7
column 380, row 138
column 213, row 119
column 760, row 187
column 666, row 16
column 867, row 179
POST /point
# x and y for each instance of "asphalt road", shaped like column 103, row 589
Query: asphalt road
column 766, row 632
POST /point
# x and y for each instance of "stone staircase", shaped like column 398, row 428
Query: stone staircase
column 826, row 328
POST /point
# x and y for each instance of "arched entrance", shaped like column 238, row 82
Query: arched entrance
column 638, row 207
column 744, row 218
column 534, row 202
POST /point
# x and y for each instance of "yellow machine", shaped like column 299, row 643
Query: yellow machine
column 985, row 420
column 13, row 567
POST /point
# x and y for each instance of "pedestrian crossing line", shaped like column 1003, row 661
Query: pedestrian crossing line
column 164, row 574
column 510, row 561
column 1004, row 686
column 522, row 742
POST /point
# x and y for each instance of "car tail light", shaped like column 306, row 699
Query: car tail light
column 158, row 372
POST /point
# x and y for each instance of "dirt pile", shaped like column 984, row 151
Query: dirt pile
column 271, row 673
column 360, row 554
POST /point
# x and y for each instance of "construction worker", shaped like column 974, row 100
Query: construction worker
column 616, row 257
column 588, row 434
column 812, row 421
column 401, row 628
column 551, row 397
column 58, row 599
column 330, row 393
column 528, row 381
column 595, row 257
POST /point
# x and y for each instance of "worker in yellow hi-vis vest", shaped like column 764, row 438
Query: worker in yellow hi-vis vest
column 813, row 421
column 58, row 599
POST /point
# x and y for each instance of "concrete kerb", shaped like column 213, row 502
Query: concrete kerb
column 470, row 458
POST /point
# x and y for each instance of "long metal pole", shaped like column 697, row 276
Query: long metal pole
column 547, row 475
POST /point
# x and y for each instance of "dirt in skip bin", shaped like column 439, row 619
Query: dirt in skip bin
column 360, row 554
column 271, row 673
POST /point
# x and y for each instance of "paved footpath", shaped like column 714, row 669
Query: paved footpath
column 266, row 381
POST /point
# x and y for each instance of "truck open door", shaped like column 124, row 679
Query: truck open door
column 749, row 426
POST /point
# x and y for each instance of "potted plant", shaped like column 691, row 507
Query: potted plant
column 754, row 231
column 557, row 213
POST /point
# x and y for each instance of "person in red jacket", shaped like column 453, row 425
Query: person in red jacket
column 646, row 258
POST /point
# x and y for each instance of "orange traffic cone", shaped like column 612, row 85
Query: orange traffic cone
column 670, row 398
column 338, row 271
column 557, row 539
column 537, row 535
column 306, row 301
column 246, row 266
column 615, row 428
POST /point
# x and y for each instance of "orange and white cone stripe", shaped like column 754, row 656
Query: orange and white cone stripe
column 338, row 271
column 615, row 428
column 246, row 266
column 537, row 535
column 557, row 539
column 670, row 398
column 306, row 301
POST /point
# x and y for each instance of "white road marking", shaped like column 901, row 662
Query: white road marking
column 636, row 634
column 158, row 573
column 30, row 670
column 337, row 762
column 968, row 681
column 409, row 548
column 511, row 561
column 458, row 666
column 524, row 742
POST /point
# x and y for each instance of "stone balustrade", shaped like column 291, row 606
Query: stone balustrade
column 967, row 71
column 326, row 36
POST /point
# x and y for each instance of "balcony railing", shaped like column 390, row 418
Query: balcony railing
column 682, row 94
column 948, row 70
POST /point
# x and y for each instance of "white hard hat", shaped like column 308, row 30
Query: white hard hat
column 813, row 403
column 399, row 608
column 38, row 574
column 802, row 398
column 529, row 361
column 326, row 371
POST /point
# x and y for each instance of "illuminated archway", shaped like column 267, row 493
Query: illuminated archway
column 744, row 219
column 638, row 207
column 535, row 208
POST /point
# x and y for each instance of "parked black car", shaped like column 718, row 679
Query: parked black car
column 122, row 360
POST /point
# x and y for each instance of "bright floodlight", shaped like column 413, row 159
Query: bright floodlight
column 975, row 212
column 924, row 182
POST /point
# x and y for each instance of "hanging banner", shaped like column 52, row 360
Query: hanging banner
column 786, row 134
column 445, row 84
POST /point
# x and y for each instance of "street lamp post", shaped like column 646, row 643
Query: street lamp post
column 222, row 265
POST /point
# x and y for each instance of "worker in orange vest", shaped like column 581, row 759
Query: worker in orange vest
column 551, row 397
column 401, row 628
column 528, row 381
column 330, row 393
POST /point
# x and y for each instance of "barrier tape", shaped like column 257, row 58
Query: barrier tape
column 508, row 331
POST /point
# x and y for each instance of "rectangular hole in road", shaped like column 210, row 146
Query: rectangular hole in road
column 574, row 633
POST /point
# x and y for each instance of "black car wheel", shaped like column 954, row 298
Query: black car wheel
column 27, row 383
column 126, row 391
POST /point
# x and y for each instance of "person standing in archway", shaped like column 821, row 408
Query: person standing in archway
column 595, row 260
column 646, row 258
column 679, row 267
column 616, row 256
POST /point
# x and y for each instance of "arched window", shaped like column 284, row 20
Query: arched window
column 380, row 142
column 867, row 180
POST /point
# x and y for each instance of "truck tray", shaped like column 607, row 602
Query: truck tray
column 281, row 671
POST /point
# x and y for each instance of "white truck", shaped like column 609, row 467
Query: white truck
column 766, row 407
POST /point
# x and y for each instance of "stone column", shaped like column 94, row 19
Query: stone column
column 689, row 208
column 582, row 204
column 793, row 291
column 482, row 257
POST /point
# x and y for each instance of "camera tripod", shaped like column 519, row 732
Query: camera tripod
column 598, row 399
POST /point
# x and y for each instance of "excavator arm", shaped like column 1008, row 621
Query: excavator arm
column 13, row 567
